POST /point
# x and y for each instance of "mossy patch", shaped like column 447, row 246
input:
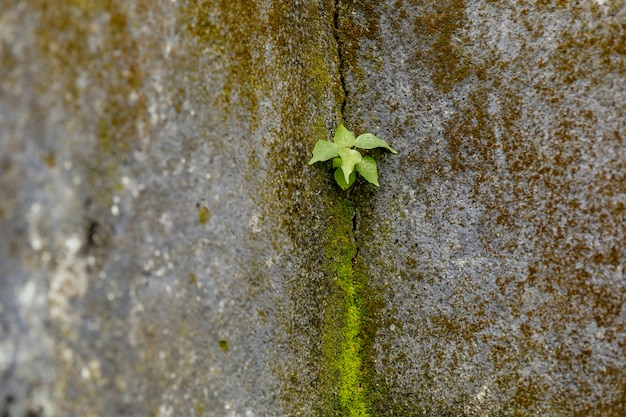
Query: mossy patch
column 293, row 81
column 358, row 32
column 437, row 30
column 229, row 29
column 203, row 213
column 344, row 381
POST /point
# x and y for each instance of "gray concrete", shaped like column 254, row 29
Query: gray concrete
column 154, row 262
column 162, row 238
column 498, row 234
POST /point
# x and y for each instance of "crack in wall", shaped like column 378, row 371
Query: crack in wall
column 344, row 98
column 344, row 328
column 340, row 57
column 344, row 320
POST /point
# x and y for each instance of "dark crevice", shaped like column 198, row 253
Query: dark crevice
column 344, row 100
column 342, row 78
column 356, row 242
column 359, row 403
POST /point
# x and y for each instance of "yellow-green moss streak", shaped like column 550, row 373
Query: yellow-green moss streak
column 345, row 383
column 316, row 93
column 344, row 377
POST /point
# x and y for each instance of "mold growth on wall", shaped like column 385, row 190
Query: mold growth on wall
column 506, row 208
column 293, row 90
column 436, row 30
column 226, row 28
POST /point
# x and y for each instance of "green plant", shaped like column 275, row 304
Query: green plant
column 347, row 158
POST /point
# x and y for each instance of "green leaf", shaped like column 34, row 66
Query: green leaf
column 369, row 141
column 349, row 158
column 343, row 137
column 323, row 151
column 341, row 179
column 367, row 168
column 337, row 163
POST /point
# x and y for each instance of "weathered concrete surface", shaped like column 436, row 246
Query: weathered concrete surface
column 497, row 237
column 160, row 228
column 166, row 251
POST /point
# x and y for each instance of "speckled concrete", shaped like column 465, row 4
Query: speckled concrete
column 153, row 261
column 498, row 233
column 162, row 239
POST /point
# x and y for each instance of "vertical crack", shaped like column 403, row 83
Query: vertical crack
column 344, row 99
column 340, row 58
column 355, row 224
column 344, row 328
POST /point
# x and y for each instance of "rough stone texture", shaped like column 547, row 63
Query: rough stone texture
column 163, row 241
column 159, row 228
column 498, row 233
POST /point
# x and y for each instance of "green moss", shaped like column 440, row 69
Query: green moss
column 223, row 344
column 359, row 314
column 203, row 213
column 346, row 387
column 308, row 69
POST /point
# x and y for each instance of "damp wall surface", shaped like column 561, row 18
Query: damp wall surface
column 166, row 250
column 160, row 228
column 498, row 233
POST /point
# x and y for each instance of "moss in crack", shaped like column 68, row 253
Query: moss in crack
column 344, row 384
column 300, row 78
column 306, row 94
column 351, row 384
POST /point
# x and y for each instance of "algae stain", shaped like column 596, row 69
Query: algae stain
column 111, row 75
column 228, row 30
column 439, row 28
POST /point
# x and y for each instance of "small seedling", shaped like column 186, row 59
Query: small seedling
column 347, row 158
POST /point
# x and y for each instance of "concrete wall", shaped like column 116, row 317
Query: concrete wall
column 166, row 250
column 498, row 234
